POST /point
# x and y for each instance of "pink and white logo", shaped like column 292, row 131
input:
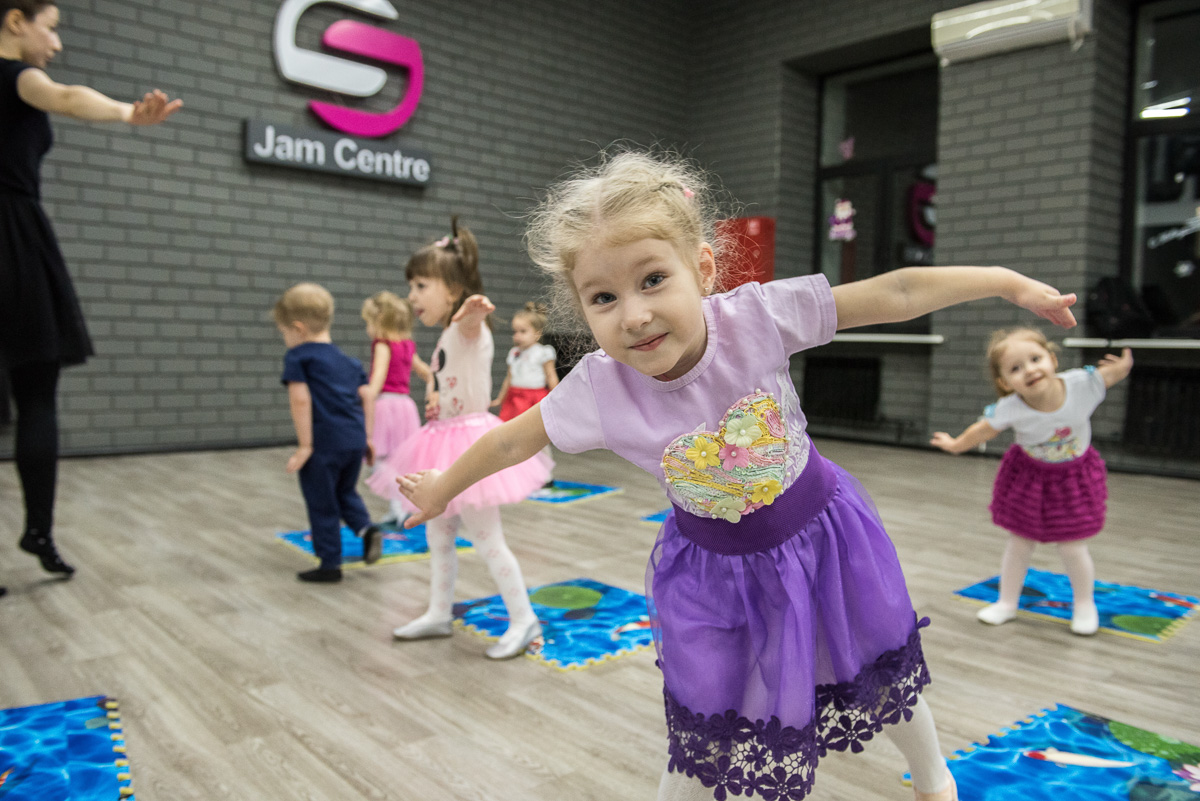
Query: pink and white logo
column 334, row 74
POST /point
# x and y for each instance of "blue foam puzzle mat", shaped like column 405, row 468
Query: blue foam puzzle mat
column 1064, row 754
column 564, row 492
column 64, row 751
column 584, row 622
column 1145, row 614
column 399, row 545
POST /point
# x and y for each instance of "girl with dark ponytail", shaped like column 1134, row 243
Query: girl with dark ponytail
column 446, row 290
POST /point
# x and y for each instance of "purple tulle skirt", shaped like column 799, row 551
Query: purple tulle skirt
column 782, row 636
column 1050, row 501
column 395, row 421
column 438, row 443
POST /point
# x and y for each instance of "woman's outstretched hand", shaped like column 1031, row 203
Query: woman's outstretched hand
column 421, row 489
column 1045, row 301
column 153, row 108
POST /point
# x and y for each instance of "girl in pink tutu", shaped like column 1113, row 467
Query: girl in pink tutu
column 445, row 290
column 781, row 616
column 393, row 361
column 1051, row 482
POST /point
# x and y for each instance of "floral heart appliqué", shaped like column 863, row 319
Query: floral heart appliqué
column 735, row 470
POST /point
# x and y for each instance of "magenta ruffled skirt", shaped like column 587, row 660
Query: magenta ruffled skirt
column 781, row 637
column 395, row 421
column 438, row 443
column 1050, row 501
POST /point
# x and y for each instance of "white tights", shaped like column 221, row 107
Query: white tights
column 917, row 740
column 482, row 528
column 1076, row 561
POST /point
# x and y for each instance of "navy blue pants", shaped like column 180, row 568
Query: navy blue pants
column 328, row 481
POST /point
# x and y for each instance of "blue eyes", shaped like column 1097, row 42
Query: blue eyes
column 650, row 282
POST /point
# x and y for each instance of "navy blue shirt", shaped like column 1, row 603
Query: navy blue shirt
column 333, row 380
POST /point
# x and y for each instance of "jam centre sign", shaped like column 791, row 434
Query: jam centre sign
column 345, row 153
column 321, row 151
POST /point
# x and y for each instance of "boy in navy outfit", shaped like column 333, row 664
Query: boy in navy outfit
column 332, row 413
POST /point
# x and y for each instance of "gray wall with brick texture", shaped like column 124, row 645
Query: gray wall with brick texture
column 179, row 247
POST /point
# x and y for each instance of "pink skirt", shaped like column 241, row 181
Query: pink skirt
column 1050, row 501
column 395, row 421
column 438, row 443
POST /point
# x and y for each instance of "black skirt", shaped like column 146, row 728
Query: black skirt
column 40, row 317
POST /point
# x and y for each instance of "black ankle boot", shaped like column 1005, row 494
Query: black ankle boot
column 42, row 546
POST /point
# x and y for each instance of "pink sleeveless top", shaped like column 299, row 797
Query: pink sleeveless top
column 399, row 366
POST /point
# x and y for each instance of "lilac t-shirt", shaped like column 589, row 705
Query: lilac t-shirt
column 752, row 331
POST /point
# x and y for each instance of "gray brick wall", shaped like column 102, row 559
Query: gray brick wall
column 179, row 248
column 1030, row 172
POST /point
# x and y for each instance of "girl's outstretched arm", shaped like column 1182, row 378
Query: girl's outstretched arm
column 37, row 89
column 503, row 390
column 912, row 291
column 974, row 435
column 503, row 446
column 471, row 314
column 382, row 359
column 422, row 370
column 1114, row 368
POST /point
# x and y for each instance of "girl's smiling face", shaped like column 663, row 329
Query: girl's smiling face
column 1026, row 367
column 432, row 300
column 642, row 302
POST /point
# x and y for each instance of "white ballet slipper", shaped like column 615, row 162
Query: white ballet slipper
column 995, row 614
column 424, row 629
column 1085, row 620
column 514, row 642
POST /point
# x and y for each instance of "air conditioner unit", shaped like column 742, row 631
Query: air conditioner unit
column 1001, row 26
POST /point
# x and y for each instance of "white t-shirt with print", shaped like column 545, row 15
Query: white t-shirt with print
column 527, row 367
column 1058, row 436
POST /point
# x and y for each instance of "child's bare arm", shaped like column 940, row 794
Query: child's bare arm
column 300, row 402
column 912, row 291
column 503, row 389
column 974, row 435
column 379, row 367
column 503, row 446
column 551, row 374
column 1115, row 368
column 422, row 370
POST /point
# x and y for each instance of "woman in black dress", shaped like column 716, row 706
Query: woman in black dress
column 41, row 324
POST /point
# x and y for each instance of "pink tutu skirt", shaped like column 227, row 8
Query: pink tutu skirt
column 438, row 443
column 1050, row 501
column 395, row 421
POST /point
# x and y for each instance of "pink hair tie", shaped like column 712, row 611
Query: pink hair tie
column 689, row 194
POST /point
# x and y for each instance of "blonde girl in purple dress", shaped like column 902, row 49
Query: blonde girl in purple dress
column 781, row 617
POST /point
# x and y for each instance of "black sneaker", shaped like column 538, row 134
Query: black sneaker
column 372, row 537
column 3, row 591
column 42, row 546
column 321, row 575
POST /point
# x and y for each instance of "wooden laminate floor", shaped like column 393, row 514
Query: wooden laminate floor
column 238, row 682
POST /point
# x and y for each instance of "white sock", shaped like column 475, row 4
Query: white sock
column 484, row 530
column 1077, row 561
column 917, row 739
column 397, row 509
